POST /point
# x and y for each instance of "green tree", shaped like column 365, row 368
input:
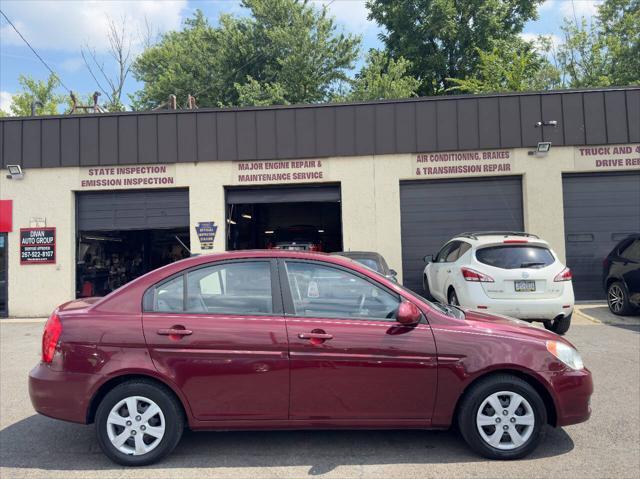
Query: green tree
column 442, row 38
column 605, row 51
column 513, row 65
column 382, row 78
column 286, row 51
column 41, row 91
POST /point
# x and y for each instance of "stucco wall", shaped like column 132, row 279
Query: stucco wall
column 370, row 189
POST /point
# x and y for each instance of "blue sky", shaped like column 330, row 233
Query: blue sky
column 58, row 29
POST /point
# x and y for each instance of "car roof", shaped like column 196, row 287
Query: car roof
column 358, row 254
column 499, row 237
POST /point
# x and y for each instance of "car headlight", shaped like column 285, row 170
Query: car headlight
column 566, row 354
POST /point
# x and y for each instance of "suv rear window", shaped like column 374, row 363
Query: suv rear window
column 513, row 257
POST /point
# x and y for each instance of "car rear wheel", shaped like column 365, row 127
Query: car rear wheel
column 618, row 299
column 138, row 422
column 559, row 325
column 502, row 417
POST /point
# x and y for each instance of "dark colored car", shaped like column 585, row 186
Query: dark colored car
column 372, row 260
column 622, row 276
column 297, row 238
column 263, row 340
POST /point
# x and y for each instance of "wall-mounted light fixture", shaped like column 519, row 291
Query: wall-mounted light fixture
column 552, row 123
column 246, row 216
column 268, row 232
column 15, row 172
column 542, row 149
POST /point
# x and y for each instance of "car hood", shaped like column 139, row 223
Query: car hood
column 499, row 323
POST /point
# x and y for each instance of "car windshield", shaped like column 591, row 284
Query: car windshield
column 515, row 256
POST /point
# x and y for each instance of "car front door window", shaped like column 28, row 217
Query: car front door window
column 321, row 291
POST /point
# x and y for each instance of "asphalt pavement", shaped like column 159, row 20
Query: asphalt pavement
column 608, row 445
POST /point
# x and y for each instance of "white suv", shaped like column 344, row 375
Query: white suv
column 503, row 272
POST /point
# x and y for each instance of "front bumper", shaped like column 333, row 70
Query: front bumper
column 60, row 395
column 572, row 395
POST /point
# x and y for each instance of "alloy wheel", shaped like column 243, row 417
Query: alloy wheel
column 505, row 420
column 135, row 425
column 616, row 298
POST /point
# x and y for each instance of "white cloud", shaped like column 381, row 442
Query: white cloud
column 352, row 13
column 67, row 25
column 6, row 99
column 533, row 37
column 72, row 64
column 579, row 8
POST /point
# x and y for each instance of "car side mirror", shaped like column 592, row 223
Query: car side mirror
column 428, row 258
column 408, row 314
column 393, row 272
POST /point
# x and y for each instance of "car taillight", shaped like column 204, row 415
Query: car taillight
column 564, row 275
column 473, row 275
column 52, row 331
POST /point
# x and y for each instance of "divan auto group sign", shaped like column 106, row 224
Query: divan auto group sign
column 37, row 245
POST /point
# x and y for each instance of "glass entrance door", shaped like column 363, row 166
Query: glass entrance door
column 4, row 309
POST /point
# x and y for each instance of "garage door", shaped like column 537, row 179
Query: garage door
column 434, row 211
column 132, row 210
column 599, row 210
column 283, row 194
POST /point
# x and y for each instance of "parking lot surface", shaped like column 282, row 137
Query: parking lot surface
column 608, row 445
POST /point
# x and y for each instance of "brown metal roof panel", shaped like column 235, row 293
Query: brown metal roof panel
column 468, row 133
column 31, row 138
column 108, row 131
column 530, row 115
column 70, row 142
column 595, row 126
column 405, row 127
column 305, row 132
column 510, row 130
column 426, row 126
column 551, row 110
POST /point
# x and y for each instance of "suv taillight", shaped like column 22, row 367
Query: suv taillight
column 52, row 331
column 473, row 275
column 564, row 275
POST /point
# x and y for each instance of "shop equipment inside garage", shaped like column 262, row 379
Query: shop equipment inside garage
column 302, row 217
column 123, row 234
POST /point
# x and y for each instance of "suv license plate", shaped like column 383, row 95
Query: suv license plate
column 525, row 286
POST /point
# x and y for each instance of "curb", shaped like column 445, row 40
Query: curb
column 588, row 317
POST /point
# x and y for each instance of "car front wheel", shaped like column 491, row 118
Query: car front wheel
column 502, row 417
column 138, row 423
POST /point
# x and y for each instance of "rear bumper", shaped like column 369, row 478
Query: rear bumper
column 573, row 390
column 60, row 395
column 532, row 309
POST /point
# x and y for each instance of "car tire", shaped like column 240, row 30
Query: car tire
column 476, row 414
column 141, row 447
column 618, row 299
column 559, row 326
column 452, row 298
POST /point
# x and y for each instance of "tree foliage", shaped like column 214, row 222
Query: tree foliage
column 382, row 78
column 286, row 50
column 605, row 51
column 443, row 38
column 514, row 65
column 42, row 91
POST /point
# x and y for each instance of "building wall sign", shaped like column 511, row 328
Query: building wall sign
column 141, row 176
column 206, row 231
column 6, row 216
column 281, row 171
column 610, row 157
column 463, row 163
column 37, row 245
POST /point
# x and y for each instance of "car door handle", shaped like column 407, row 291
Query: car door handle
column 315, row 336
column 174, row 332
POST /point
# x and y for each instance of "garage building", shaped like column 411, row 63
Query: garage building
column 101, row 199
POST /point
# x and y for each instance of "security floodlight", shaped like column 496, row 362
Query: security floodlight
column 543, row 147
column 15, row 172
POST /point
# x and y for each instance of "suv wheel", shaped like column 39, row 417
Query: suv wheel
column 138, row 422
column 618, row 299
column 502, row 417
column 559, row 325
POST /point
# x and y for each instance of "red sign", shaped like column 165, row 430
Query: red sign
column 6, row 216
column 37, row 245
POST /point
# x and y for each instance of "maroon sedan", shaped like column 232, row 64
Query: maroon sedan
column 294, row 340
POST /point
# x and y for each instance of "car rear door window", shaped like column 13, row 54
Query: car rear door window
column 448, row 251
column 168, row 297
column 515, row 256
column 631, row 251
column 326, row 292
column 242, row 288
